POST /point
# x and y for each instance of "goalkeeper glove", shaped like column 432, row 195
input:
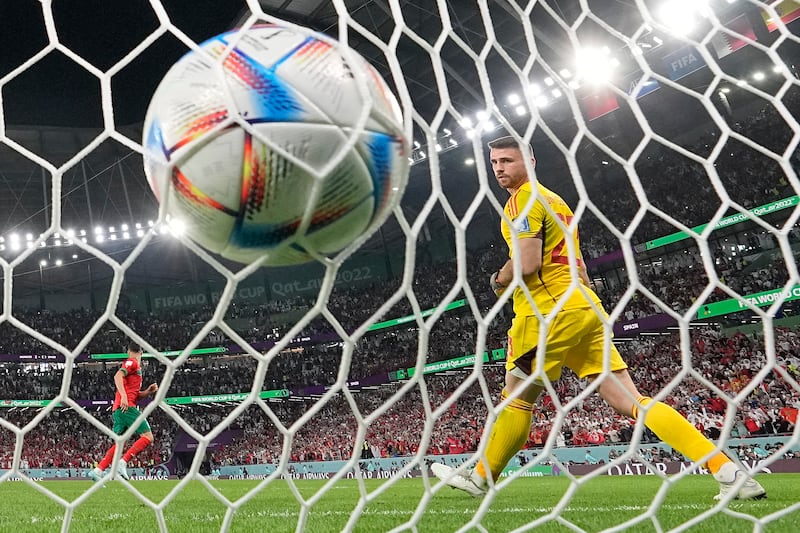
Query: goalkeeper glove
column 497, row 287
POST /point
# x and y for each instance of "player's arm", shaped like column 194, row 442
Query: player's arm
column 584, row 275
column 119, row 382
column 529, row 252
column 149, row 391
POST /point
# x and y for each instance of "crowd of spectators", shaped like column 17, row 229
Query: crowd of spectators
column 678, row 280
column 65, row 440
column 681, row 187
column 430, row 414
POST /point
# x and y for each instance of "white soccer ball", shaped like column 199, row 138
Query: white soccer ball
column 245, row 199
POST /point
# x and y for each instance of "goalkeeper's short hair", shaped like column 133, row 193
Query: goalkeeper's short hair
column 508, row 142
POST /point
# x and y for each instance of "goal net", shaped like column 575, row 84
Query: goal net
column 668, row 126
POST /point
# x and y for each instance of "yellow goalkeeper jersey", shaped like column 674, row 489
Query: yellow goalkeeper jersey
column 554, row 278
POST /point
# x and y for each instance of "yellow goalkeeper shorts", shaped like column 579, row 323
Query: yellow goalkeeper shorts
column 575, row 339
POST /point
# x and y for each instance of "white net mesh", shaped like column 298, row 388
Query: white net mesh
column 649, row 120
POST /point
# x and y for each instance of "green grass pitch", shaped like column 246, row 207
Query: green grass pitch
column 600, row 503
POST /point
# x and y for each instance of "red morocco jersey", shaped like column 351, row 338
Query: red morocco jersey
column 132, row 381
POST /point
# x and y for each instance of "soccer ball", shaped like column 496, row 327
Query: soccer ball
column 293, row 186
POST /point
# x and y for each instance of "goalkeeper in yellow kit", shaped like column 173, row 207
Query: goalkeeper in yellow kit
column 574, row 338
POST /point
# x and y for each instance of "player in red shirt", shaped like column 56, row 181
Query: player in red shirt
column 128, row 381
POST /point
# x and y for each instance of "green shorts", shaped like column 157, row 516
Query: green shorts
column 124, row 420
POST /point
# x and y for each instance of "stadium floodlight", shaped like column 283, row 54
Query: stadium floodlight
column 513, row 99
column 534, row 89
column 482, row 116
column 469, row 161
column 140, row 233
column 126, row 235
column 565, row 73
column 15, row 245
column 466, row 123
column 98, row 230
column 124, row 227
column 74, row 256
column 470, row 133
column 70, row 233
column 43, row 262
column 82, row 233
column 29, row 244
column 556, row 93
column 111, row 229
column 542, row 101
column 113, row 237
column 488, row 126
column 680, row 16
column 29, row 237
column 99, row 238
column 138, row 225
column 595, row 64
column 758, row 76
column 521, row 110
column 177, row 227
column 13, row 237
column 57, row 242
column 549, row 81
column 59, row 262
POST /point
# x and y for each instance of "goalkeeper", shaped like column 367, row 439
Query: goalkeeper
column 574, row 338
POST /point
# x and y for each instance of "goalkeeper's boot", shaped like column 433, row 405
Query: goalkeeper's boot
column 728, row 476
column 122, row 470
column 473, row 484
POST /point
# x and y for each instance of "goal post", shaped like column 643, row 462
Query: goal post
column 670, row 128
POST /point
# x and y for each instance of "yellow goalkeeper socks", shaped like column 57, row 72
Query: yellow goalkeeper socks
column 675, row 430
column 509, row 435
